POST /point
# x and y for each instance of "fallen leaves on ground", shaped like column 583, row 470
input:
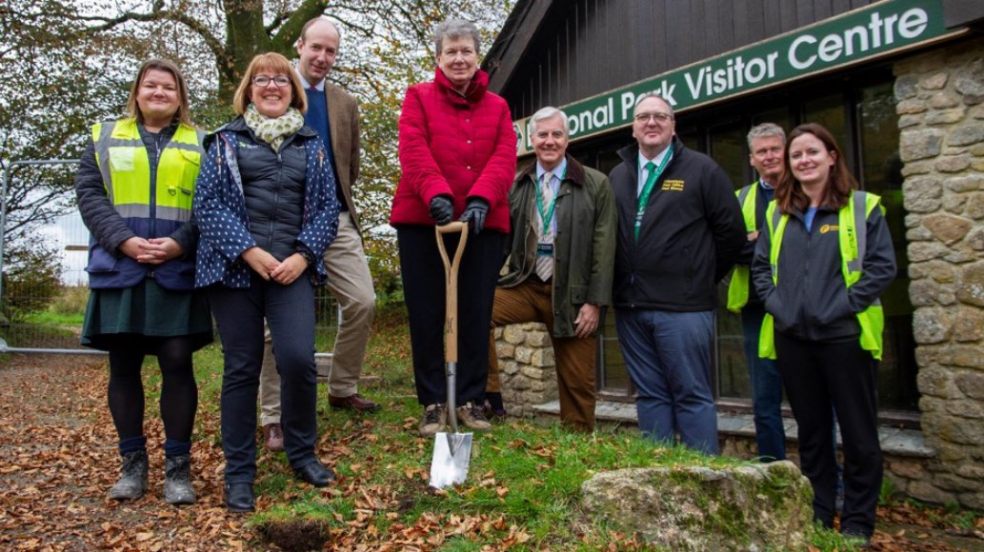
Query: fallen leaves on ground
column 58, row 450
column 58, row 458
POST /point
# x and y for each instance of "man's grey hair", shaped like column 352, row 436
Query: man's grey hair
column 549, row 112
column 766, row 130
column 648, row 95
column 455, row 29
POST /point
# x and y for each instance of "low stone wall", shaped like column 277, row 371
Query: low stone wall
column 905, row 473
column 526, row 366
column 940, row 103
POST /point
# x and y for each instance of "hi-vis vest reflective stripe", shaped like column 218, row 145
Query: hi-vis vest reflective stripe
column 852, row 238
column 738, row 287
column 125, row 169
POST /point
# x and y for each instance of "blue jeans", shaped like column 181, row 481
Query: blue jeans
column 668, row 356
column 239, row 314
column 766, row 389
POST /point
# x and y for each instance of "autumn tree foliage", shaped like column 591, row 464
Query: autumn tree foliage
column 67, row 64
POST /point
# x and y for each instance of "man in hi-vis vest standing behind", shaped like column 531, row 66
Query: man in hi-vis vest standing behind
column 334, row 114
column 766, row 145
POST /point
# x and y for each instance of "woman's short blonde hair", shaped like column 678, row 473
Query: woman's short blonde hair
column 276, row 64
column 183, row 114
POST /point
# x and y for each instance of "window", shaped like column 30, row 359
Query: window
column 727, row 146
column 881, row 173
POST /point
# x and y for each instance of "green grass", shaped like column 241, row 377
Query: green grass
column 949, row 515
column 53, row 318
column 887, row 493
column 527, row 472
column 960, row 518
column 831, row 541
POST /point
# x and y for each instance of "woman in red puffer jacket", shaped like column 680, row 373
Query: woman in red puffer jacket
column 458, row 157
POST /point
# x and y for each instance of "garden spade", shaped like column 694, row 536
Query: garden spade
column 452, row 450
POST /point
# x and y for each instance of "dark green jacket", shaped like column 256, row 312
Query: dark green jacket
column 584, row 248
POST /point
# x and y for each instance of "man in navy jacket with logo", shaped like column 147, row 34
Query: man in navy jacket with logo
column 680, row 231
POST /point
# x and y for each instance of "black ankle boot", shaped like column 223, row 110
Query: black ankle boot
column 177, row 480
column 493, row 406
column 239, row 497
column 133, row 477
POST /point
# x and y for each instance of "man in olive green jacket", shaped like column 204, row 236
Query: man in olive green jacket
column 560, row 264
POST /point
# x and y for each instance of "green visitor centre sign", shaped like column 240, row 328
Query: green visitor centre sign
column 847, row 39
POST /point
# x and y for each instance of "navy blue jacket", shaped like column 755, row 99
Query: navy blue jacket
column 221, row 212
column 691, row 235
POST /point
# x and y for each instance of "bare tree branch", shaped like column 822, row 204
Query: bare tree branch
column 156, row 14
column 277, row 20
column 351, row 24
column 291, row 28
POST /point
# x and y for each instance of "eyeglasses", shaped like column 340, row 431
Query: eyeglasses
column 263, row 80
column 657, row 116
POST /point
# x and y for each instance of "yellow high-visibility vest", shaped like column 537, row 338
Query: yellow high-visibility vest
column 852, row 239
column 125, row 168
column 740, row 278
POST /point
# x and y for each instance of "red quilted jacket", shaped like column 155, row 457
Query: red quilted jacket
column 459, row 146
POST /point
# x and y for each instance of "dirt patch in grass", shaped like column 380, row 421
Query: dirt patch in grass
column 295, row 535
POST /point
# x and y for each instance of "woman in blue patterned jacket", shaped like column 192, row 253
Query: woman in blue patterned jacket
column 266, row 207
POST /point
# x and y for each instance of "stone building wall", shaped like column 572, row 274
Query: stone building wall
column 526, row 367
column 940, row 97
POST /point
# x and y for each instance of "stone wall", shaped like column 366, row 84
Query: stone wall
column 526, row 367
column 940, row 98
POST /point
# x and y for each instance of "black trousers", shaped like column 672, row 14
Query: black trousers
column 839, row 376
column 239, row 314
column 424, row 294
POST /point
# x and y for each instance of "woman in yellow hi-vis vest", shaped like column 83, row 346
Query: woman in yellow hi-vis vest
column 135, row 187
column 821, row 263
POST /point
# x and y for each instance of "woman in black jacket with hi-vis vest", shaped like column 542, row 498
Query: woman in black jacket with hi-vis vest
column 135, row 187
column 822, row 260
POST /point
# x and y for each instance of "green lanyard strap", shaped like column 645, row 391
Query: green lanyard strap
column 546, row 214
column 654, row 175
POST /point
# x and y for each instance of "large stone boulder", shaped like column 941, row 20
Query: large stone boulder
column 747, row 508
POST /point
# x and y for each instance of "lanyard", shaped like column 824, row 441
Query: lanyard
column 546, row 214
column 648, row 189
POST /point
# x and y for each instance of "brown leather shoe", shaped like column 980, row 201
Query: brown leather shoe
column 472, row 416
column 355, row 402
column 273, row 437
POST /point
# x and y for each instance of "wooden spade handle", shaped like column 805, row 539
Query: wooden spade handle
column 451, row 285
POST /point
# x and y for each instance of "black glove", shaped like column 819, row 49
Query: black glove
column 474, row 214
column 441, row 210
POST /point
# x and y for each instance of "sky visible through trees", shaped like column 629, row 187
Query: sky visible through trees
column 68, row 64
